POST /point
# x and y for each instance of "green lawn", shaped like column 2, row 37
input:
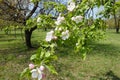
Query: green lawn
column 102, row 62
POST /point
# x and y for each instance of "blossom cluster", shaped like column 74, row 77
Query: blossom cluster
column 51, row 36
column 77, row 19
column 71, row 5
column 65, row 35
column 37, row 73
column 59, row 20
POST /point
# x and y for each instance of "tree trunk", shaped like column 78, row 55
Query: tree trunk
column 117, row 30
column 118, row 24
column 117, row 27
column 28, row 38
column 28, row 34
column 115, row 18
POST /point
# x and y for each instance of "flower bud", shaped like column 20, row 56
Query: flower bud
column 31, row 66
column 42, row 68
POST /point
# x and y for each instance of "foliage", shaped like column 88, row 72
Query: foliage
column 109, row 7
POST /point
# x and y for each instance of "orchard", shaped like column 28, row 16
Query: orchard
column 59, row 39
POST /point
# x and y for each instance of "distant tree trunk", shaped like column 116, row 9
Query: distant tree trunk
column 21, row 33
column 118, row 23
column 45, row 29
column 117, row 28
column 15, row 31
column 115, row 18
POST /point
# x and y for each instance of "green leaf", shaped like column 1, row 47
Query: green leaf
column 84, row 56
column 92, row 27
column 54, row 57
column 47, row 54
column 25, row 72
column 42, row 54
column 33, row 57
column 51, row 69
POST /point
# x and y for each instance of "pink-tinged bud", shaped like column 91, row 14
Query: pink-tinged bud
column 31, row 66
column 42, row 68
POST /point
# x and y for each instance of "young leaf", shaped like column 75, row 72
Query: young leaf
column 51, row 69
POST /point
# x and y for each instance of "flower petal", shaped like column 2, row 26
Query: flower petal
column 34, row 73
column 49, row 36
column 71, row 6
column 39, row 76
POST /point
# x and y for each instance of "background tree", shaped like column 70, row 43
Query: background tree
column 111, row 9
column 115, row 11
column 16, row 10
column 22, row 10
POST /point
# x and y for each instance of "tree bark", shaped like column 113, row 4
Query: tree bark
column 117, row 28
column 118, row 23
column 115, row 18
column 28, row 38
column 28, row 34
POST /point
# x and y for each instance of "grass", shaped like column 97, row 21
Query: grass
column 102, row 63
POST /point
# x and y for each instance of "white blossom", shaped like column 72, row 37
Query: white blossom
column 49, row 36
column 39, row 19
column 65, row 35
column 77, row 44
column 71, row 6
column 59, row 20
column 60, row 29
column 36, row 73
column 77, row 19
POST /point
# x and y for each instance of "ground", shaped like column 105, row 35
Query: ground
column 102, row 62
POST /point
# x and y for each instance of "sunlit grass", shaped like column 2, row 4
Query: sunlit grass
column 102, row 62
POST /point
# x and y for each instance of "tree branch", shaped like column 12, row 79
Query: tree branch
column 32, row 12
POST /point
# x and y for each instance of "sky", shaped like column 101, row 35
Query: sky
column 96, row 10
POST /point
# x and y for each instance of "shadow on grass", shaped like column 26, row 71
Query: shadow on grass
column 10, row 37
column 113, row 32
column 96, row 48
column 9, row 40
column 64, row 52
column 18, row 54
column 17, row 34
column 106, row 49
column 110, row 76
